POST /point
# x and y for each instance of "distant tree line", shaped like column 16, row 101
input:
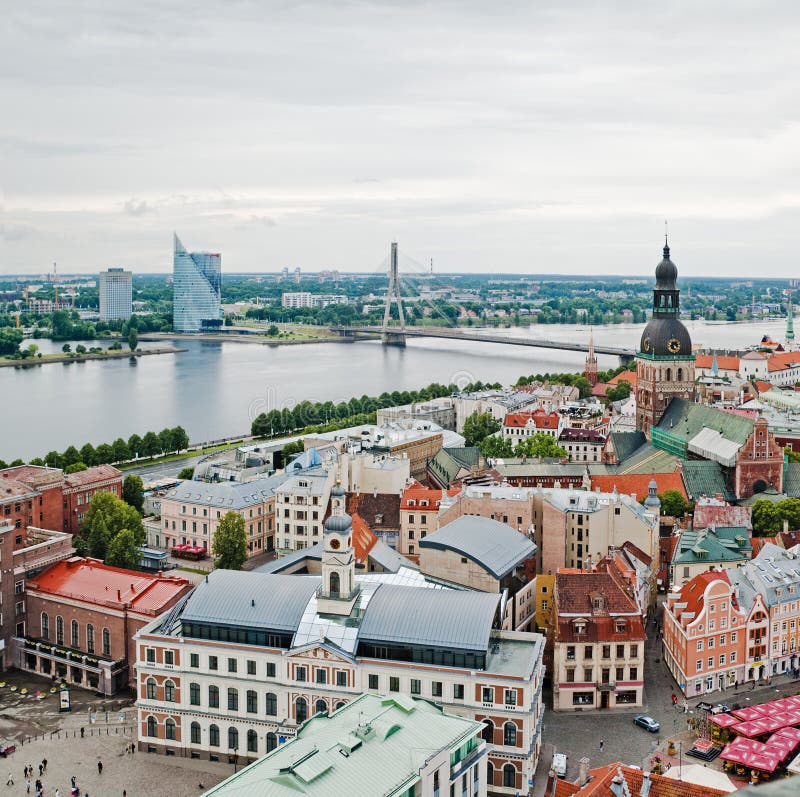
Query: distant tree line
column 152, row 444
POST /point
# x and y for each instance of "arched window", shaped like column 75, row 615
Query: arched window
column 169, row 729
column 194, row 694
column 45, row 626
column 152, row 726
column 669, row 374
column 680, row 374
column 213, row 697
column 233, row 699
column 510, row 734
column 106, row 642
column 90, row 638
column 169, row 691
column 489, row 773
column 195, row 732
column 300, row 710
column 252, row 741
column 252, row 701
column 488, row 732
column 509, row 775
column 233, row 738
column 151, row 688
column 272, row 741
column 320, row 707
column 272, row 704
column 59, row 630
column 213, row 736
column 340, row 704
column 74, row 639
column 335, row 585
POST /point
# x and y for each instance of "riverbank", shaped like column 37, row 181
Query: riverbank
column 80, row 358
column 248, row 337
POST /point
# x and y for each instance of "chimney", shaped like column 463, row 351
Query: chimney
column 785, row 525
column 646, row 783
column 583, row 771
column 119, row 595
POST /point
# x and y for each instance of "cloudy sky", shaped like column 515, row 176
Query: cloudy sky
column 490, row 136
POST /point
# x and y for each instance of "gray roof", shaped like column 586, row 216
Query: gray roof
column 255, row 600
column 773, row 569
column 316, row 480
column 388, row 558
column 430, row 617
column 380, row 553
column 494, row 546
column 227, row 495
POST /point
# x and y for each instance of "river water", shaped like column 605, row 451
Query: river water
column 214, row 390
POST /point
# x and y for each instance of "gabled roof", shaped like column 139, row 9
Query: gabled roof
column 714, row 513
column 631, row 377
column 713, row 545
column 690, row 596
column 684, row 419
column 378, row 511
column 539, row 418
column 638, row 483
column 724, row 362
column 429, row 617
column 703, row 477
column 574, row 590
column 494, row 546
column 625, row 443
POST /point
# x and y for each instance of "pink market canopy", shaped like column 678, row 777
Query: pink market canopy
column 724, row 720
column 750, row 753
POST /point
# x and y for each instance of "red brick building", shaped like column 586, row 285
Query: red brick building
column 81, row 486
column 81, row 618
column 759, row 463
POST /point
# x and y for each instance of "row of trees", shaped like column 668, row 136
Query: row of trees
column 152, row 444
column 768, row 517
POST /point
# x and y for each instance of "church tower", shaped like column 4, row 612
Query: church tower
column 339, row 591
column 790, row 325
column 664, row 362
column 590, row 372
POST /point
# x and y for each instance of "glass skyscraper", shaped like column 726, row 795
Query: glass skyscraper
column 196, row 282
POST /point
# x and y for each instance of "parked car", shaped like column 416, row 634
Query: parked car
column 648, row 723
column 560, row 764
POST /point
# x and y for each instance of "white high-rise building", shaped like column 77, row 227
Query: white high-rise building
column 116, row 294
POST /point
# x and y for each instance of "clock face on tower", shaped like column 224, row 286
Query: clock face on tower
column 646, row 344
column 334, row 543
column 673, row 345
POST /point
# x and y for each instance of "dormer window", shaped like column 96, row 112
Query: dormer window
column 412, row 502
column 619, row 626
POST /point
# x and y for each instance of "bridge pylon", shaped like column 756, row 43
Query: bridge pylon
column 391, row 335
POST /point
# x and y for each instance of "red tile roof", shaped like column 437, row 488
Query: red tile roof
column 600, row 389
column 631, row 377
column 638, row 483
column 381, row 510
column 691, row 593
column 724, row 362
column 763, row 387
column 629, row 780
column 34, row 475
column 364, row 538
column 417, row 493
column 92, row 581
column 540, row 419
column 706, row 515
column 788, row 539
column 574, row 590
column 783, row 360
column 99, row 473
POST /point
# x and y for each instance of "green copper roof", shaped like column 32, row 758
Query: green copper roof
column 685, row 419
column 374, row 745
column 704, row 477
column 723, row 544
column 625, row 443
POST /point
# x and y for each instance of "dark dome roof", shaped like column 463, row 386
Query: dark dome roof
column 657, row 335
column 338, row 490
column 339, row 523
column 666, row 273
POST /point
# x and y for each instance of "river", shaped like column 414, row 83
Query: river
column 214, row 390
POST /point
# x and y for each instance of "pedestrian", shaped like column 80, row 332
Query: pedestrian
column 82, row 730
column 41, row 770
column 44, row 764
column 99, row 767
column 685, row 706
column 58, row 793
column 27, row 786
column 602, row 745
column 10, row 780
column 72, row 781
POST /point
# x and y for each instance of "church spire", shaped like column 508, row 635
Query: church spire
column 790, row 321
column 590, row 371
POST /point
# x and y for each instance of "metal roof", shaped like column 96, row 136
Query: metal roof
column 255, row 600
column 494, row 546
column 226, row 495
column 429, row 617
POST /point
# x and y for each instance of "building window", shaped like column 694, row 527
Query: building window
column 320, row 707
column 300, row 674
column 510, row 734
column 90, row 640
column 272, row 742
column 373, row 681
column 394, row 683
column 588, row 652
column 252, row 741
column 232, row 665
column 487, row 694
column 213, row 663
column 195, row 732
column 321, row 675
column 416, row 686
column 252, row 702
column 634, row 651
column 169, row 691
column 194, row 694
column 233, row 738
column 59, row 630
column 270, row 669
column 620, row 674
column 151, row 689
column 271, row 704
column 341, row 678
column 213, row 697
column 509, row 776
column 45, row 626
column 106, row 642
column 169, row 729
column 194, row 660
column 458, row 691
column 152, row 726
column 699, row 644
column 436, row 688
column 620, row 651
column 233, row 699
column 75, row 642
column 511, row 697
column 300, row 710
column 634, row 673
column 213, row 736
column 251, row 667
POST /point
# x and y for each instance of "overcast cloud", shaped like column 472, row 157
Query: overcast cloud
column 490, row 136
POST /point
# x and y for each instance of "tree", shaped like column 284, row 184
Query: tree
column 766, row 519
column 133, row 338
column 496, row 447
column 10, row 340
column 133, row 492
column 165, row 440
column 230, row 542
column 71, row 456
column 179, row 439
column 121, row 450
column 540, row 444
column 98, row 538
column 123, row 551
column 88, row 454
column 80, row 349
column 621, row 391
column 104, row 454
column 272, row 330
column 112, row 514
column 584, row 386
column 673, row 503
column 789, row 510
column 151, row 445
column 66, row 348
column 75, row 467
column 135, row 445
column 186, row 473
column 478, row 426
